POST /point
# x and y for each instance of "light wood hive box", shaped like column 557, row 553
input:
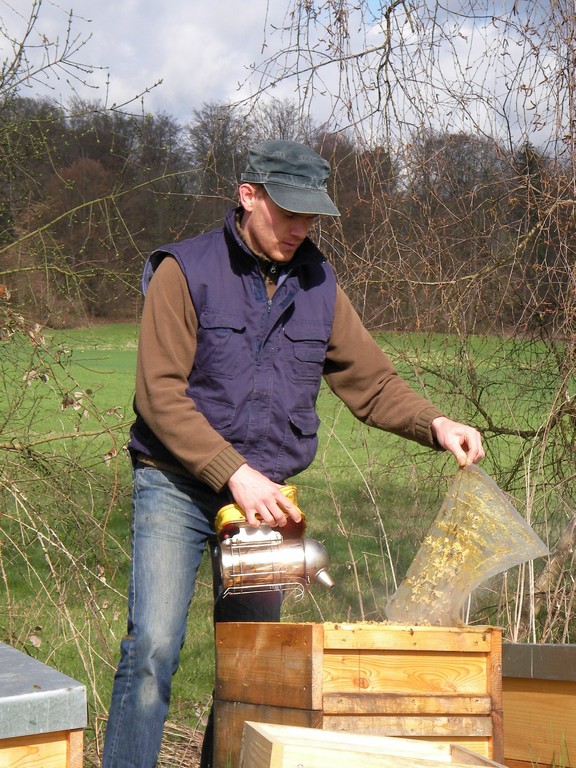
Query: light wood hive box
column 289, row 746
column 441, row 684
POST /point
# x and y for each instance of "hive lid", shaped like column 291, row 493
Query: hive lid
column 35, row 698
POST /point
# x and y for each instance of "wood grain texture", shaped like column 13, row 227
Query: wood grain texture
column 75, row 757
column 438, row 683
column 540, row 721
column 404, row 672
column 409, row 704
column 273, row 664
column 273, row 746
column 47, row 750
column 366, row 636
column 229, row 719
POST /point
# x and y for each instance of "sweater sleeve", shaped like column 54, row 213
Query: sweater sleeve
column 364, row 378
column 166, row 351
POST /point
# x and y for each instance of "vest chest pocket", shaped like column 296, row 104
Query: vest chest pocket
column 306, row 352
column 220, row 343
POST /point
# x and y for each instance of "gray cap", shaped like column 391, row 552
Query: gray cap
column 293, row 175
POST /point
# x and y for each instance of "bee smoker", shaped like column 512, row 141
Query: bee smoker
column 262, row 559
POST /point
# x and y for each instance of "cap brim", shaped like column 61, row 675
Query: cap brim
column 313, row 202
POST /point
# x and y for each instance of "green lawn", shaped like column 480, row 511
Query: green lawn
column 64, row 542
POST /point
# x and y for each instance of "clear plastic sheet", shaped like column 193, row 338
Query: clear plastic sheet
column 476, row 534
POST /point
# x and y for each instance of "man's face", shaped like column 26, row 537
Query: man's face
column 269, row 229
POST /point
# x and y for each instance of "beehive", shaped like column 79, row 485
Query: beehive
column 539, row 702
column 42, row 714
column 437, row 683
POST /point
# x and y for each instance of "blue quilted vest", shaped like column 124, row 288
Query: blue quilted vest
column 259, row 361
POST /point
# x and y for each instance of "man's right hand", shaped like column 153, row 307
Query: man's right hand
column 261, row 500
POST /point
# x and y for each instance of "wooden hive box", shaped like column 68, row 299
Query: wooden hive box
column 539, row 702
column 42, row 714
column 286, row 746
column 435, row 683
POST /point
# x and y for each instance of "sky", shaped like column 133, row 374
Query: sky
column 181, row 54
column 201, row 51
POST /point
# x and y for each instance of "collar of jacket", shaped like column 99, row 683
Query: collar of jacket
column 305, row 253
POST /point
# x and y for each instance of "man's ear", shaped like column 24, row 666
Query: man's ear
column 247, row 194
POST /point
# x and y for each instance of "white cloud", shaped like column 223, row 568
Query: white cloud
column 467, row 74
column 200, row 51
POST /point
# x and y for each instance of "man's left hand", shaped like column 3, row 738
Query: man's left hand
column 463, row 441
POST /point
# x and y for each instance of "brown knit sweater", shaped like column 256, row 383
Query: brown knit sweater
column 356, row 370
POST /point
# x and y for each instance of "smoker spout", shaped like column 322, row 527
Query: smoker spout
column 324, row 578
column 316, row 557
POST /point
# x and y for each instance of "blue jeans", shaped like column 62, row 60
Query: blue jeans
column 172, row 522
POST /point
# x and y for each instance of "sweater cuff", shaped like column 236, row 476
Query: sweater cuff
column 423, row 427
column 217, row 473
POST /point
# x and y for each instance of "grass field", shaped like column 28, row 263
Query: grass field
column 370, row 497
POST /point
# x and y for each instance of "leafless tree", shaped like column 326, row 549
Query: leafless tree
column 474, row 102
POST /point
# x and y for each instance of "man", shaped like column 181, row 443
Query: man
column 239, row 327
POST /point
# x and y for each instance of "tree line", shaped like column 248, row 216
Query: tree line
column 452, row 224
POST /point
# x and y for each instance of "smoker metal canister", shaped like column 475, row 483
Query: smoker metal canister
column 265, row 557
